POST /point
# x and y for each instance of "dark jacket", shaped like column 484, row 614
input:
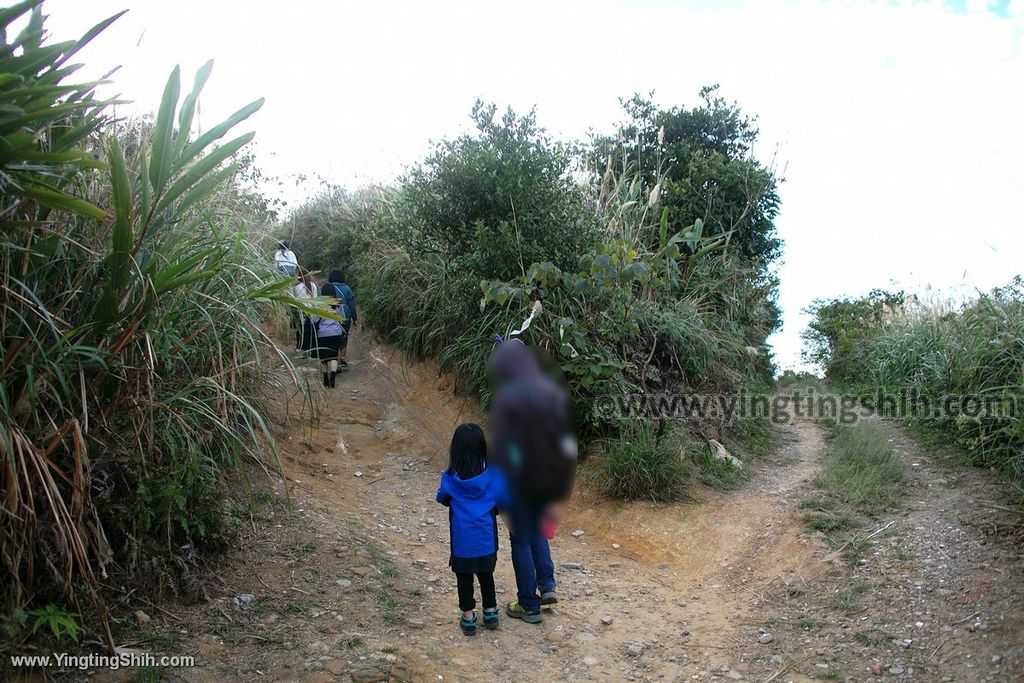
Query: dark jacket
column 473, row 504
column 344, row 293
column 532, row 440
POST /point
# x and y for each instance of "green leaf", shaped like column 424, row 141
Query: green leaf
column 161, row 161
column 205, row 188
column 54, row 199
column 218, row 132
column 188, row 107
column 145, row 192
column 121, row 195
column 9, row 14
column 202, row 167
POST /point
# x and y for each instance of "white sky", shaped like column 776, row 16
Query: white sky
column 898, row 124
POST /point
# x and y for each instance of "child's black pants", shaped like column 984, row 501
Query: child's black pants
column 466, row 601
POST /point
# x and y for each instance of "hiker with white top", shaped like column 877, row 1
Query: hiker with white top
column 284, row 259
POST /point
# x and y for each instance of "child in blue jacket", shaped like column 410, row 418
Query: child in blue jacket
column 473, row 492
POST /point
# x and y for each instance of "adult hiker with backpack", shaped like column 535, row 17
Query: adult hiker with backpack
column 336, row 287
column 332, row 335
column 533, row 443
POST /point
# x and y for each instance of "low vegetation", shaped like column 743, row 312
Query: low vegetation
column 862, row 477
column 640, row 465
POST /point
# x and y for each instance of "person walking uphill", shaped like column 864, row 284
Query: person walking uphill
column 533, row 444
column 332, row 335
column 337, row 288
column 472, row 492
column 284, row 259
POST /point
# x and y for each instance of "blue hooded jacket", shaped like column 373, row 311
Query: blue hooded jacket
column 473, row 505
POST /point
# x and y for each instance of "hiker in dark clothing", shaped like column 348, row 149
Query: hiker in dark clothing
column 336, row 287
column 532, row 443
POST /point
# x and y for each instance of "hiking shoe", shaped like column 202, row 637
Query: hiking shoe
column 491, row 618
column 548, row 597
column 343, row 363
column 517, row 611
column 468, row 626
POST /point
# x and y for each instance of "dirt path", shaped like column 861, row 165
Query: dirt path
column 354, row 584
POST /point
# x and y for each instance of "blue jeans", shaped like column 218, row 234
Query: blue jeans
column 531, row 555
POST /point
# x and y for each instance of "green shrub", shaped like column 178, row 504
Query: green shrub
column 641, row 465
column 636, row 296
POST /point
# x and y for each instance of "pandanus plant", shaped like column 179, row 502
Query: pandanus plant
column 133, row 359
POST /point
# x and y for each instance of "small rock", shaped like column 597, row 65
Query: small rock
column 359, row 473
column 361, row 571
column 336, row 666
column 615, row 546
column 743, row 667
column 432, row 579
column 243, row 602
column 775, row 659
column 572, row 567
column 896, row 670
column 141, row 618
column 765, row 638
column 343, row 583
column 607, row 620
column 431, row 520
column 996, row 659
column 578, row 533
column 877, row 670
column 414, row 623
column 590, row 661
column 554, row 637
column 734, row 675
column 634, row 649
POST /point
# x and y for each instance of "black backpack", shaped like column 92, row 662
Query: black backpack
column 547, row 451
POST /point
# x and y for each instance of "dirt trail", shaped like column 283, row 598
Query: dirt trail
column 354, row 585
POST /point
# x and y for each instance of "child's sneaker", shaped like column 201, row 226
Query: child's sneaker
column 491, row 618
column 517, row 611
column 468, row 626
column 548, row 597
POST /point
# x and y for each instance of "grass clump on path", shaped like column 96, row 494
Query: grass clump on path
column 862, row 477
column 862, row 471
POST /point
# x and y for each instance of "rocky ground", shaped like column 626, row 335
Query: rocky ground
column 353, row 584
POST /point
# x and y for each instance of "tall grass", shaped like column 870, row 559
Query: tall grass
column 973, row 349
column 133, row 364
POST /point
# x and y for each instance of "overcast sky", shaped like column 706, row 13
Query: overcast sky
column 897, row 124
